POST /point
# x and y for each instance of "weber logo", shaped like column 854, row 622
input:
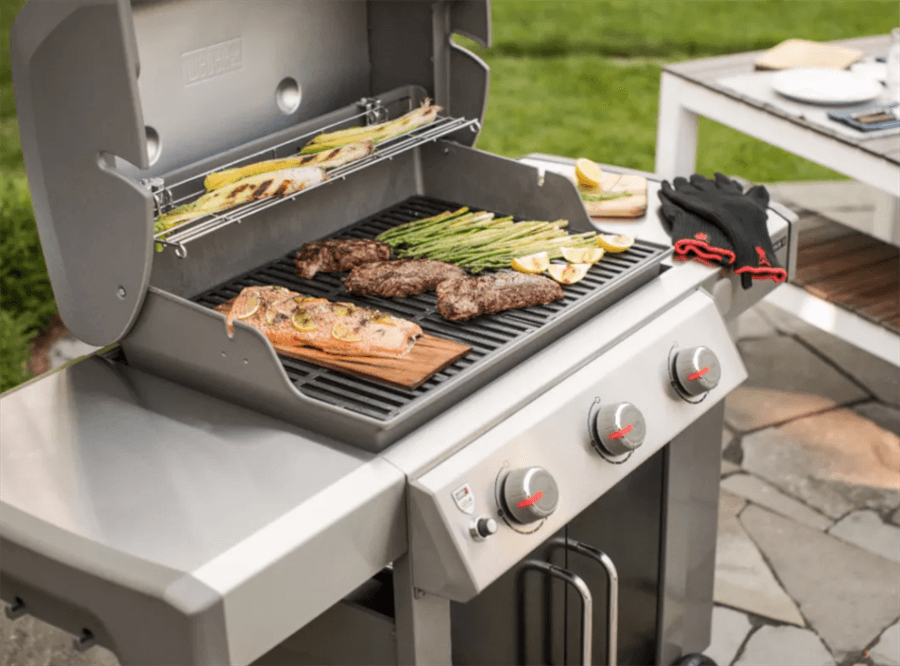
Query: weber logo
column 780, row 243
column 211, row 61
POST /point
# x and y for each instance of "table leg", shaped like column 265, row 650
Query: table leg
column 886, row 218
column 676, row 135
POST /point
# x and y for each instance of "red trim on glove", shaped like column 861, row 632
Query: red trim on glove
column 682, row 257
column 763, row 259
column 703, row 249
column 778, row 275
column 764, row 271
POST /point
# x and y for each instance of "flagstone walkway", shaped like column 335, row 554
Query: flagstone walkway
column 808, row 559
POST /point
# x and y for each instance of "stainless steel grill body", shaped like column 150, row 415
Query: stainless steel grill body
column 197, row 499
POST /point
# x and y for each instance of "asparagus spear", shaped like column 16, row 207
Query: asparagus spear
column 603, row 196
column 408, row 227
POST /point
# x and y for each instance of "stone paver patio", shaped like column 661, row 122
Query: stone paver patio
column 808, row 561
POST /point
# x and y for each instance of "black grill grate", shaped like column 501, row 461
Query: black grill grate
column 492, row 337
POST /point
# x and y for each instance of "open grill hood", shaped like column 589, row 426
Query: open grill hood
column 111, row 92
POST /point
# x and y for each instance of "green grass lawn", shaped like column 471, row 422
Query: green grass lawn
column 607, row 111
column 675, row 30
column 576, row 78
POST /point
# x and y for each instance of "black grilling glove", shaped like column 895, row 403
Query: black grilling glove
column 740, row 216
column 692, row 236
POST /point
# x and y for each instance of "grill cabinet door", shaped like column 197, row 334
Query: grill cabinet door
column 626, row 524
column 518, row 619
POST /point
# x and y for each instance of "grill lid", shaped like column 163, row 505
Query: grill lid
column 112, row 92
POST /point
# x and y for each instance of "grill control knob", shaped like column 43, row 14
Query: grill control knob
column 530, row 494
column 619, row 428
column 697, row 370
column 482, row 528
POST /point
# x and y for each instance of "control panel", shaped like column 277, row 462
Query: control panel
column 490, row 504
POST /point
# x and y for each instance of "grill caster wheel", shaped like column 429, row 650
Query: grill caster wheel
column 695, row 660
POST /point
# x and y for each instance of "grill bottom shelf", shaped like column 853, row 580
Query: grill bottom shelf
column 498, row 341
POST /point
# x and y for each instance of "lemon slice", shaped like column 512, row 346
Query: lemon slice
column 383, row 318
column 615, row 242
column 583, row 255
column 307, row 300
column 271, row 316
column 303, row 321
column 343, row 332
column 587, row 173
column 532, row 263
column 251, row 305
column 568, row 273
column 342, row 310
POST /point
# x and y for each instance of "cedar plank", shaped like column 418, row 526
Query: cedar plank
column 427, row 357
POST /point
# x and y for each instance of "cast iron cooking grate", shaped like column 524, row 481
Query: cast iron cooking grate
column 508, row 336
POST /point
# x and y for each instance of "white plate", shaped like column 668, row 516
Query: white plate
column 818, row 85
column 871, row 70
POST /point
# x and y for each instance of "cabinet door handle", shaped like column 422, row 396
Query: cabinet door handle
column 587, row 602
column 612, row 599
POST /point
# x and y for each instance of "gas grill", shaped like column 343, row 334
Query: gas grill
column 196, row 498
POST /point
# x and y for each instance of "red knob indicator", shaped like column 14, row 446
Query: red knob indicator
column 622, row 432
column 698, row 374
column 528, row 501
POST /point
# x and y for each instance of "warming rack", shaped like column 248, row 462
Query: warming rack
column 190, row 231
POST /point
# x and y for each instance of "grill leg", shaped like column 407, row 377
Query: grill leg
column 690, row 511
column 423, row 621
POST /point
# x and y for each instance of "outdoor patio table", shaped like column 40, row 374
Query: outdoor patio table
column 692, row 89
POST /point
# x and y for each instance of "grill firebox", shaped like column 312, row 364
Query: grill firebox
column 498, row 341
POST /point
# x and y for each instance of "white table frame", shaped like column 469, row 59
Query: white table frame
column 682, row 101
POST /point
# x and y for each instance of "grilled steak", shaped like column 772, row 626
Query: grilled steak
column 401, row 278
column 459, row 300
column 294, row 320
column 329, row 256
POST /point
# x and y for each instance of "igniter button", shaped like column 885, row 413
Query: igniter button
column 482, row 528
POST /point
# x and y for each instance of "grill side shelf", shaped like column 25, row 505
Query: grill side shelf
column 498, row 341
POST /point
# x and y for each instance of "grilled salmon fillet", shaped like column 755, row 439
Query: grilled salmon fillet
column 291, row 319
column 334, row 255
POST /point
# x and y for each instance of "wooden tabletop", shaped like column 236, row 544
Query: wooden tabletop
column 709, row 71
